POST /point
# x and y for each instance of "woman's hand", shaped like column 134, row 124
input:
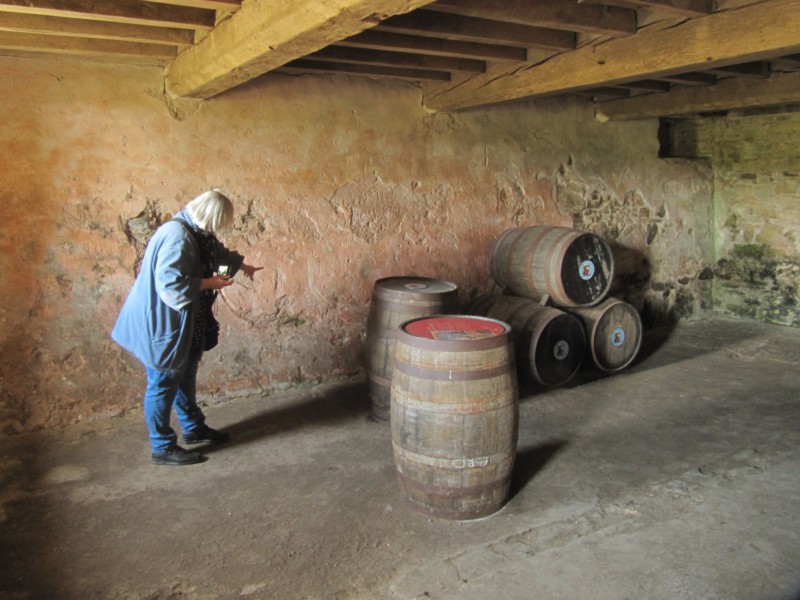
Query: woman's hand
column 217, row 282
column 249, row 271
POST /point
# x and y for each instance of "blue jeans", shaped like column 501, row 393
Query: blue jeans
column 166, row 389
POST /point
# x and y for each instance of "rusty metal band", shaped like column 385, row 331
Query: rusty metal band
column 469, row 406
column 471, row 375
column 378, row 379
column 431, row 302
column 474, row 491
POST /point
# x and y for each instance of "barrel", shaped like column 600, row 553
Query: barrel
column 395, row 300
column 614, row 333
column 573, row 268
column 455, row 414
column 549, row 344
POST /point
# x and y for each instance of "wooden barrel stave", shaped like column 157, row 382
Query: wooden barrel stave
column 394, row 301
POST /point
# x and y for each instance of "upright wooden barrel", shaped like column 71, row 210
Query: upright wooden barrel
column 549, row 344
column 395, row 300
column 614, row 333
column 455, row 414
column 573, row 268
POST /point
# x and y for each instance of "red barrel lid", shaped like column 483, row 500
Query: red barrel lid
column 455, row 328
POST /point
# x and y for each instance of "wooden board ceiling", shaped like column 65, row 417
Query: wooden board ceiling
column 632, row 58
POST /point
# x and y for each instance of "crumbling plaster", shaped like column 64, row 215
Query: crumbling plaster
column 336, row 181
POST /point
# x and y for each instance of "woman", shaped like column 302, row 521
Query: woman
column 163, row 321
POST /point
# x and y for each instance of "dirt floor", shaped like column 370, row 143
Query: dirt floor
column 678, row 478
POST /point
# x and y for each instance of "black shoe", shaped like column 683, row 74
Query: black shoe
column 176, row 456
column 205, row 434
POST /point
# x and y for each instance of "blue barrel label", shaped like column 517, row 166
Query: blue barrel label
column 561, row 349
column 587, row 270
column 618, row 337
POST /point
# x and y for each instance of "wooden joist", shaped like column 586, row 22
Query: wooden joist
column 554, row 14
column 32, row 24
column 455, row 27
column 435, row 46
column 731, row 94
column 85, row 47
column 750, row 33
column 136, row 12
column 266, row 34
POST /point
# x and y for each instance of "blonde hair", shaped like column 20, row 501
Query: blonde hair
column 211, row 211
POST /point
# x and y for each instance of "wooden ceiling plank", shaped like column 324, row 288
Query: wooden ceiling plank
column 83, row 47
column 648, row 85
column 229, row 5
column 554, row 14
column 679, row 8
column 22, row 23
column 431, row 23
column 753, row 32
column 435, row 46
column 730, row 94
column 689, row 78
column 266, row 34
column 136, row 12
column 400, row 59
column 304, row 65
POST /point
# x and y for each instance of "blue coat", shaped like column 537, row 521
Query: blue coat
column 157, row 319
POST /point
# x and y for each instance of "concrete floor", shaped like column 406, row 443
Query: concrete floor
column 678, row 478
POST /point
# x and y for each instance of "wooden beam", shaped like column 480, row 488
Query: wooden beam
column 136, row 12
column 730, row 94
column 304, row 66
column 555, row 14
column 431, row 23
column 21, row 23
column 84, row 47
column 397, row 59
column 435, row 46
column 750, row 33
column 680, row 8
column 266, row 34
column 229, row 5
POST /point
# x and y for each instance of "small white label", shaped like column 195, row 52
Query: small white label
column 561, row 349
column 470, row 463
column 587, row 270
column 618, row 337
column 416, row 286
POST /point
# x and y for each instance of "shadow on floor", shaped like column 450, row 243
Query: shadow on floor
column 331, row 406
column 529, row 461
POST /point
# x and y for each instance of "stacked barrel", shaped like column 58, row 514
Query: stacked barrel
column 571, row 271
column 447, row 381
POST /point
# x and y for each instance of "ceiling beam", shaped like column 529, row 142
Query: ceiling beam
column 455, row 27
column 136, row 12
column 21, row 23
column 85, row 47
column 229, row 5
column 750, row 33
column 680, row 8
column 266, row 34
column 344, row 54
column 435, row 46
column 555, row 14
column 730, row 94
column 371, row 70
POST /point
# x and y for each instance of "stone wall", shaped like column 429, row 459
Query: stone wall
column 755, row 160
column 337, row 182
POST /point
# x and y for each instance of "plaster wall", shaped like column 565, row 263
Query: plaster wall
column 337, row 182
